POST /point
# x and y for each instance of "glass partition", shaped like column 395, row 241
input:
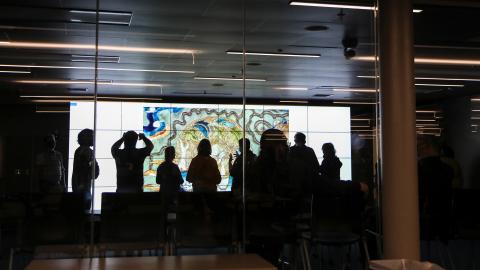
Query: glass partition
column 187, row 127
column 47, row 55
column 314, row 138
column 446, row 80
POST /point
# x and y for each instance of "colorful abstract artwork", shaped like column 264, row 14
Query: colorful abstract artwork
column 183, row 128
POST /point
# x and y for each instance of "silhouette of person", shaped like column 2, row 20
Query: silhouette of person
column 129, row 161
column 50, row 169
column 331, row 164
column 203, row 171
column 304, row 166
column 236, row 168
column 82, row 166
column 271, row 167
column 448, row 156
column 169, row 177
column 435, row 190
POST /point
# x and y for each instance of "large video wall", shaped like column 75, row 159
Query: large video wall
column 184, row 125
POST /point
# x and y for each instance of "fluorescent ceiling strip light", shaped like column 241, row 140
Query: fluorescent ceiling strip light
column 88, row 82
column 447, row 79
column 426, row 120
column 228, row 79
column 15, row 71
column 364, row 130
column 440, row 85
column 475, row 118
column 344, row 6
column 43, row 111
column 136, row 84
column 419, row 60
column 361, row 119
column 292, row 88
column 426, row 111
column 429, row 128
column 354, row 103
column 475, row 99
column 427, row 125
column 130, row 98
column 294, row 101
column 100, row 68
column 51, row 100
column 45, row 45
column 59, row 97
column 367, row 77
column 428, row 78
column 475, row 110
column 355, row 90
column 85, row 98
column 275, row 54
column 79, row 11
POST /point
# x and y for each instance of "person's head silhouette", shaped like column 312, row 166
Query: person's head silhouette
column 300, row 139
column 247, row 145
column 204, row 148
column 85, row 137
column 169, row 153
column 328, row 150
column 130, row 139
column 273, row 144
column 50, row 142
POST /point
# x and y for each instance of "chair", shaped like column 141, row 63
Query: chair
column 337, row 224
column 273, row 229
column 54, row 225
column 132, row 222
column 205, row 221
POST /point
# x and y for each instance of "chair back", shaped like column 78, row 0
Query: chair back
column 132, row 217
column 205, row 219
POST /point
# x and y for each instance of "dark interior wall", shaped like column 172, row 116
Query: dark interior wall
column 21, row 138
column 465, row 143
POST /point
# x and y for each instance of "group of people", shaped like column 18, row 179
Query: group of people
column 276, row 167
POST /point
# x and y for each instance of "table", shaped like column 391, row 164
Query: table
column 203, row 262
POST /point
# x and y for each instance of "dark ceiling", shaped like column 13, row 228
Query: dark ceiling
column 210, row 28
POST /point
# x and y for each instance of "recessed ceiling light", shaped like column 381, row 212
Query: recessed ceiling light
column 75, row 46
column 440, row 85
column 292, row 88
column 332, row 5
column 228, row 79
column 316, row 28
column 100, row 68
column 276, row 54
